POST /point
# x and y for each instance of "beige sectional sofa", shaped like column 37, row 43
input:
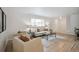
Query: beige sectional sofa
column 34, row 45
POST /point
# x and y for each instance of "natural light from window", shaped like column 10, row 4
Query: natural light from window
column 37, row 22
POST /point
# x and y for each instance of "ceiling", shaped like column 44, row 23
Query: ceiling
column 44, row 11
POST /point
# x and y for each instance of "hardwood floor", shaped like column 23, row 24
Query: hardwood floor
column 65, row 44
column 68, row 44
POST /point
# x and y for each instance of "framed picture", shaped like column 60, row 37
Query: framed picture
column 2, row 21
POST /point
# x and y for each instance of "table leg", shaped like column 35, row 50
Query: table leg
column 47, row 37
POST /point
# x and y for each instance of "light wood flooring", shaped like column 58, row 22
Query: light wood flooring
column 68, row 44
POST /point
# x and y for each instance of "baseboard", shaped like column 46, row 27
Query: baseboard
column 65, row 34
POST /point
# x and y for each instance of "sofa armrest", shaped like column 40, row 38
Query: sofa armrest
column 34, row 45
column 18, row 45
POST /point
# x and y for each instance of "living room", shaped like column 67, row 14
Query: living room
column 60, row 21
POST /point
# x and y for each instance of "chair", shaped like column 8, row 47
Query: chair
column 77, row 33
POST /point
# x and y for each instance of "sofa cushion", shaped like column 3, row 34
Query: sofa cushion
column 24, row 38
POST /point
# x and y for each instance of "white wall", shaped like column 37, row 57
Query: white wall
column 74, row 21
column 60, row 24
column 67, row 24
column 3, row 37
column 12, row 26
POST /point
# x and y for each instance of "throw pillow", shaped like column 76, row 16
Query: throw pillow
column 24, row 38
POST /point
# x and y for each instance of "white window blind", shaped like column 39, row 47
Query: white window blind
column 37, row 22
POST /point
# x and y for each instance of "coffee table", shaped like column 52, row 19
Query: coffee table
column 47, row 35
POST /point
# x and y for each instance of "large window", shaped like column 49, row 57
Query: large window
column 37, row 22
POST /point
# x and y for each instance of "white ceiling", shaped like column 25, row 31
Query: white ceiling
column 44, row 11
